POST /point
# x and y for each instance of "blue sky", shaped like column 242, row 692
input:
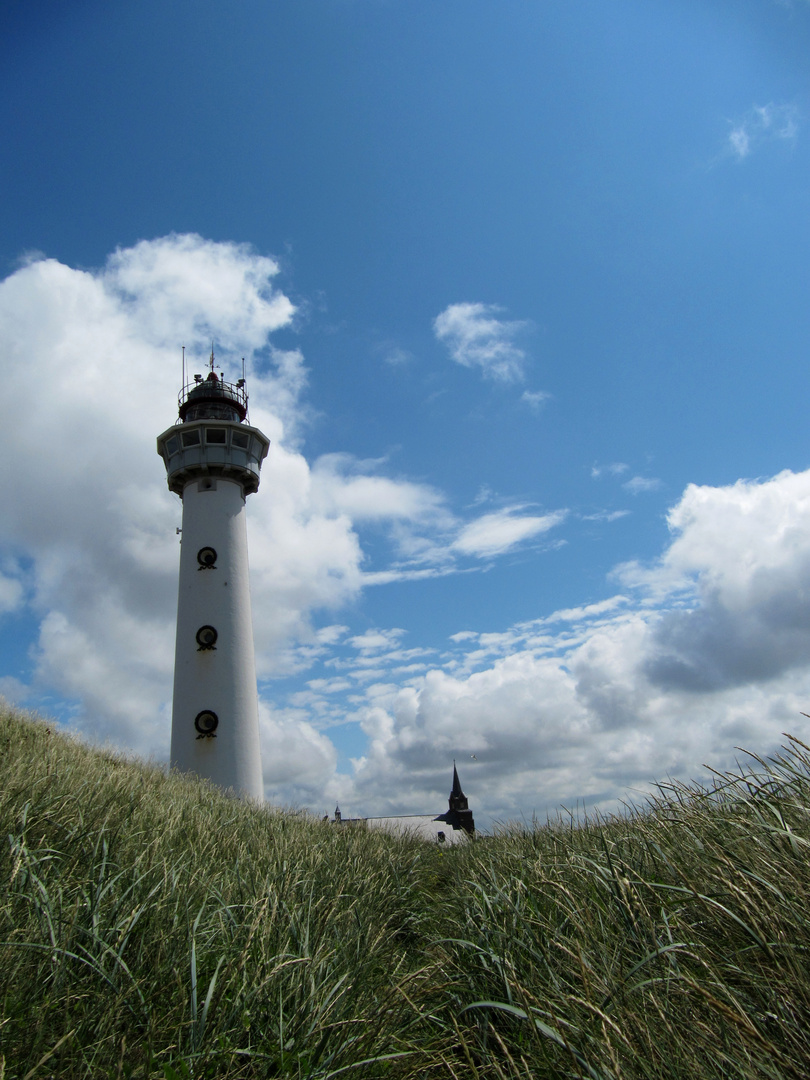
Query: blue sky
column 523, row 293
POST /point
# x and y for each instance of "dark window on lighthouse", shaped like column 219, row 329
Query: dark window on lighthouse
column 191, row 438
column 207, row 558
column 206, row 638
column 206, row 723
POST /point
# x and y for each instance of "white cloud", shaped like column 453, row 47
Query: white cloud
column 396, row 356
column 615, row 468
column 637, row 484
column 485, row 494
column 606, row 515
column 477, row 338
column 740, row 142
column 374, row 640
column 494, row 534
column 763, row 123
column 298, row 761
column 198, row 289
column 587, row 611
column 387, row 577
column 329, row 686
column 329, row 635
column 11, row 594
column 11, row 689
column 338, row 487
column 535, row 398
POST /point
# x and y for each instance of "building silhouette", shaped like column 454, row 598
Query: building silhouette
column 454, row 825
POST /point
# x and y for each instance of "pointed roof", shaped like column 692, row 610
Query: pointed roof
column 457, row 792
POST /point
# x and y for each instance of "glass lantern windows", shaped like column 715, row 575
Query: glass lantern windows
column 213, row 436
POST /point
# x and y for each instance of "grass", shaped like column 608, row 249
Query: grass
column 152, row 927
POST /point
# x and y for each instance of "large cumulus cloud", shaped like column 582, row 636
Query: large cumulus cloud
column 744, row 552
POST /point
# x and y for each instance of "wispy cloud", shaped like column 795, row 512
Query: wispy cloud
column 535, row 398
column 341, row 484
column 615, row 468
column 606, row 515
column 375, row 640
column 477, row 338
column 637, row 484
column 493, row 534
column 761, row 124
column 394, row 354
column 485, row 494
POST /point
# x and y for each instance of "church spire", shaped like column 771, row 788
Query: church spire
column 456, row 784
column 458, row 813
column 458, row 800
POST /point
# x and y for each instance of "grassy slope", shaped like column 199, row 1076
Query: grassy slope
column 152, row 927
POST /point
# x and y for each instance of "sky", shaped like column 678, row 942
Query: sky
column 522, row 290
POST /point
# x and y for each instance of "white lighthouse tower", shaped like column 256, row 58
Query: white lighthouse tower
column 213, row 458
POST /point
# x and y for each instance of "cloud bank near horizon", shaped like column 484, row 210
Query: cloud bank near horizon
column 704, row 649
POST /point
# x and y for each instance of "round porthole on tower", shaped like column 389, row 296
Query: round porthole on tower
column 206, row 723
column 206, row 638
column 207, row 558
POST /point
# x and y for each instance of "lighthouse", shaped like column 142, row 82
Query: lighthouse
column 213, row 458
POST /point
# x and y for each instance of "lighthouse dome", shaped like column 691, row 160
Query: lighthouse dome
column 213, row 399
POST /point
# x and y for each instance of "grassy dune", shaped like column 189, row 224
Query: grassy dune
column 150, row 926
